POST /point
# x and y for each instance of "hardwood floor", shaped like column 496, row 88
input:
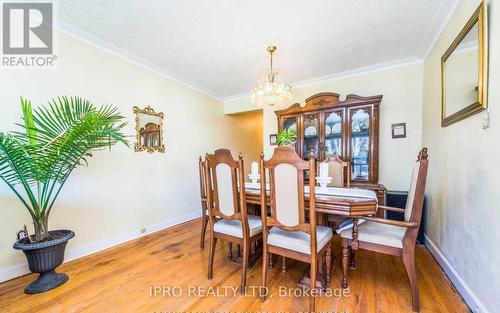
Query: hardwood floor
column 121, row 279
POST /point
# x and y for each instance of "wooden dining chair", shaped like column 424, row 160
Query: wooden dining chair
column 285, row 231
column 394, row 237
column 339, row 170
column 203, row 196
column 228, row 204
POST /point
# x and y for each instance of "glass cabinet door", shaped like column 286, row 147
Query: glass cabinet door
column 333, row 133
column 290, row 123
column 360, row 144
column 311, row 135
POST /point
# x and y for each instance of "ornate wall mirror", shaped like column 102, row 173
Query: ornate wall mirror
column 464, row 71
column 149, row 130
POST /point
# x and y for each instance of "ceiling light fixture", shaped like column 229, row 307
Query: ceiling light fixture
column 271, row 89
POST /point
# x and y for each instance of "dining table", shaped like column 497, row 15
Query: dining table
column 352, row 203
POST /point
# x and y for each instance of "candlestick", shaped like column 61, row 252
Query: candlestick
column 323, row 170
column 255, row 168
column 254, row 173
column 323, row 182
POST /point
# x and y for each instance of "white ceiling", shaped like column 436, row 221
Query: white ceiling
column 219, row 46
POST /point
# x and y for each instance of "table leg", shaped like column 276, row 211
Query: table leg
column 345, row 260
column 321, row 283
column 354, row 243
column 254, row 255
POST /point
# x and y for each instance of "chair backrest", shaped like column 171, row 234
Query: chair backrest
column 201, row 169
column 203, row 188
column 222, row 174
column 287, row 196
column 340, row 171
column 415, row 202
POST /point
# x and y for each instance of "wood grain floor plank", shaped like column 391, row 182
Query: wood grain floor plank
column 120, row 279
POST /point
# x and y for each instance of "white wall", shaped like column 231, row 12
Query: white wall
column 402, row 102
column 120, row 191
column 463, row 221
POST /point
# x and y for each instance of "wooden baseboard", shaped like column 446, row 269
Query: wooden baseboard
column 460, row 285
column 78, row 252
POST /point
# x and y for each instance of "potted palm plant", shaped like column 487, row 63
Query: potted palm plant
column 36, row 162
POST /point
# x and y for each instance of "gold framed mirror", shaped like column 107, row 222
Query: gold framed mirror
column 464, row 71
column 149, row 130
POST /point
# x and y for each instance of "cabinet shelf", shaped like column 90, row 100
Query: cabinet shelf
column 333, row 136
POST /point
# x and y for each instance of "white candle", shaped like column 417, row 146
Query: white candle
column 255, row 168
column 323, row 169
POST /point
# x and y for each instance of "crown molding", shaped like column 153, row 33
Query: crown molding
column 239, row 96
column 341, row 75
column 438, row 24
column 358, row 71
column 129, row 57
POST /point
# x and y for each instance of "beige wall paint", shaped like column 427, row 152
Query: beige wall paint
column 120, row 191
column 248, row 128
column 402, row 90
column 463, row 216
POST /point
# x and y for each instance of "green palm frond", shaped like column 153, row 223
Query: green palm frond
column 55, row 139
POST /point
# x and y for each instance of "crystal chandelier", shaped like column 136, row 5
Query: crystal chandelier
column 271, row 89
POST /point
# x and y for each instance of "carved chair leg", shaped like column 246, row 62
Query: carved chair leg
column 204, row 224
column 270, row 260
column 213, row 243
column 313, row 275
column 283, row 265
column 353, row 258
column 230, row 250
column 328, row 265
column 245, row 267
column 409, row 262
column 238, row 250
column 345, row 261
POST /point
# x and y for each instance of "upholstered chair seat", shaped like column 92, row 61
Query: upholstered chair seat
column 298, row 240
column 234, row 227
column 382, row 234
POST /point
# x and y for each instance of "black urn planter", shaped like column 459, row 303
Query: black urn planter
column 43, row 258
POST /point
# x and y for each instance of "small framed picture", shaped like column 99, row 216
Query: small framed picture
column 398, row 130
column 272, row 139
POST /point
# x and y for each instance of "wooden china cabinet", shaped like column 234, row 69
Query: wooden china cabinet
column 348, row 128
